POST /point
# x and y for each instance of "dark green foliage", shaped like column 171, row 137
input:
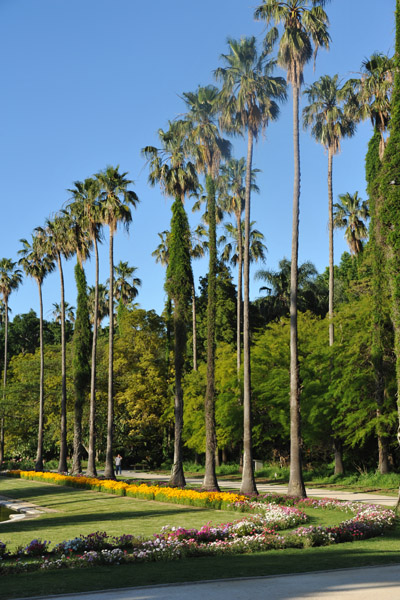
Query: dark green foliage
column 179, row 285
column 388, row 207
column 225, row 310
column 372, row 162
column 81, row 361
column 81, row 340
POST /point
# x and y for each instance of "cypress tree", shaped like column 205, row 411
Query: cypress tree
column 388, row 207
column 210, row 480
column 372, row 169
column 178, row 286
column 81, row 362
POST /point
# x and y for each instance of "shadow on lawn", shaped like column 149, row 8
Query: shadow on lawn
column 49, row 521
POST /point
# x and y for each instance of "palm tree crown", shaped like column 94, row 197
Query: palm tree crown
column 168, row 165
column 325, row 115
column 248, row 89
column 10, row 278
column 350, row 214
column 305, row 31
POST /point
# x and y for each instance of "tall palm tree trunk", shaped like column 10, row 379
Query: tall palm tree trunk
column 337, row 444
column 2, row 424
column 194, row 328
column 296, row 483
column 248, row 485
column 331, row 271
column 109, row 467
column 91, row 466
column 239, row 296
column 39, row 453
column 62, row 464
column 210, row 480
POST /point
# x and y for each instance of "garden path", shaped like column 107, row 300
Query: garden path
column 350, row 584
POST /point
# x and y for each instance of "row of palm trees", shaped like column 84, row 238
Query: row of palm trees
column 246, row 103
column 194, row 145
column 104, row 199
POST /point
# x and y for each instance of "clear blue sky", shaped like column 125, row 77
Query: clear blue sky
column 88, row 83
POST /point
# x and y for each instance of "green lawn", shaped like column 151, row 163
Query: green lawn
column 72, row 512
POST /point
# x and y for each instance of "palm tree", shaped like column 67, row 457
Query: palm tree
column 102, row 304
column 304, row 27
column 56, row 237
column 115, row 208
column 79, row 227
column 37, row 264
column 69, row 312
column 87, row 193
column 208, row 148
column 232, row 200
column 350, row 214
column 10, row 278
column 177, row 177
column 125, row 283
column 329, row 124
column 279, row 284
column 248, row 95
column 232, row 252
column 372, row 93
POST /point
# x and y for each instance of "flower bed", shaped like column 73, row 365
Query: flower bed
column 255, row 532
column 216, row 500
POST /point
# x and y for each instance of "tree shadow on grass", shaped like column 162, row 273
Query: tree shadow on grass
column 50, row 521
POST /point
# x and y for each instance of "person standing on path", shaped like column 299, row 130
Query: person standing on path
column 118, row 465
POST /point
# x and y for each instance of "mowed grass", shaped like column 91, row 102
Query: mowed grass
column 72, row 512
column 77, row 512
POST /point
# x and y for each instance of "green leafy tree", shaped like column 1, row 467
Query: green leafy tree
column 305, row 30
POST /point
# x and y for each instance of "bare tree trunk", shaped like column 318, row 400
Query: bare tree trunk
column 39, row 453
column 63, row 465
column 296, row 484
column 2, row 424
column 383, row 462
column 338, row 451
column 239, row 296
column 210, row 479
column 248, row 485
column 91, row 466
column 109, row 466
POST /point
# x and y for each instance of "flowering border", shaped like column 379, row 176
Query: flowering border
column 256, row 532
